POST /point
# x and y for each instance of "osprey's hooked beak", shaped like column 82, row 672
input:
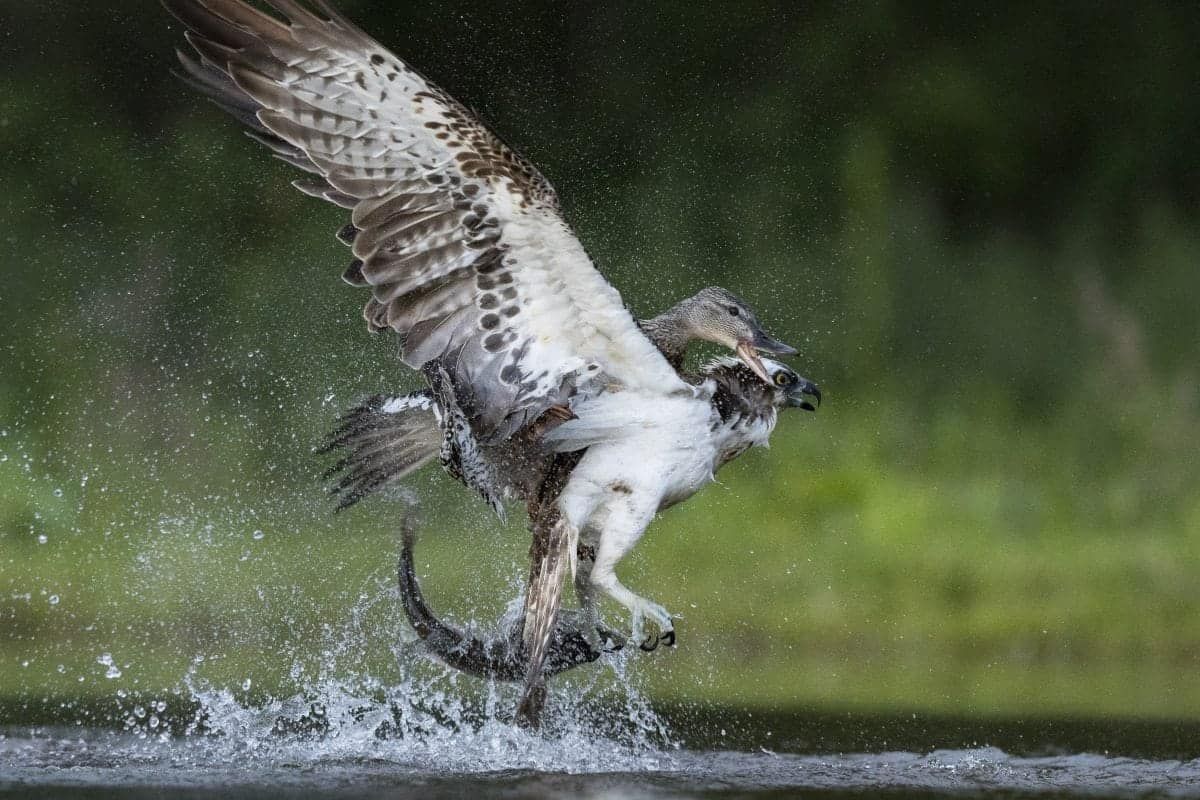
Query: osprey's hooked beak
column 803, row 389
column 748, row 349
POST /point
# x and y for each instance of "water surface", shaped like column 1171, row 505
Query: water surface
column 373, row 753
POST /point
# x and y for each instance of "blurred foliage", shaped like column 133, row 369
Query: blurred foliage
column 979, row 225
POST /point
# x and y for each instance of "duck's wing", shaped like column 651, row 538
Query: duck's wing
column 459, row 239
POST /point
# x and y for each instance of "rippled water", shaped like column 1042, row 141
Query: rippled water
column 518, row 765
column 333, row 743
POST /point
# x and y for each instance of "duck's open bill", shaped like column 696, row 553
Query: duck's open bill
column 748, row 349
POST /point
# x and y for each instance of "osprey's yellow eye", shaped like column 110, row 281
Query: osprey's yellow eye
column 782, row 379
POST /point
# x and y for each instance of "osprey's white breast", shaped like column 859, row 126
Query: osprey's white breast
column 646, row 451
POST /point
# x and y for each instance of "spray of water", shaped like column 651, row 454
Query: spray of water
column 598, row 720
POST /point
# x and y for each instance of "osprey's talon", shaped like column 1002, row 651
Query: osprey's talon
column 642, row 609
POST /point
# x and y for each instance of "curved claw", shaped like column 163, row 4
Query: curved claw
column 652, row 642
column 664, row 624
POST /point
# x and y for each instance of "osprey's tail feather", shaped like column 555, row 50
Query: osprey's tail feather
column 383, row 440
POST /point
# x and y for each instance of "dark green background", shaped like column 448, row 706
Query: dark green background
column 978, row 224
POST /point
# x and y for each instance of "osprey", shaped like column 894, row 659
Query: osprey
column 744, row 413
column 548, row 389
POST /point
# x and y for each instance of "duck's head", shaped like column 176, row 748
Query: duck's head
column 718, row 315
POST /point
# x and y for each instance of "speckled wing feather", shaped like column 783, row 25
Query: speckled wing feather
column 459, row 239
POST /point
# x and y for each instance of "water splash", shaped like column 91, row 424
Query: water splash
column 597, row 720
column 112, row 670
column 418, row 726
column 433, row 716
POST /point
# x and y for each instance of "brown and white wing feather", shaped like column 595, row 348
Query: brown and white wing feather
column 459, row 239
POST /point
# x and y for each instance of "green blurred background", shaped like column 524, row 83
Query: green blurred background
column 978, row 224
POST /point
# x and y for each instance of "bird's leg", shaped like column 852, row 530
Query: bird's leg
column 585, row 593
column 620, row 534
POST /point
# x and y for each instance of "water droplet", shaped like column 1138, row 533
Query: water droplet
column 246, row 685
column 58, row 492
column 106, row 660
column 139, row 712
column 43, row 538
column 258, row 534
column 153, row 722
column 53, row 599
column 160, row 706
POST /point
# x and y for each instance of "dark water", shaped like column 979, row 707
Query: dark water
column 244, row 752
column 90, row 765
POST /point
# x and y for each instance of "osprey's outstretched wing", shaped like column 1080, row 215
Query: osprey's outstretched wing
column 459, row 239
